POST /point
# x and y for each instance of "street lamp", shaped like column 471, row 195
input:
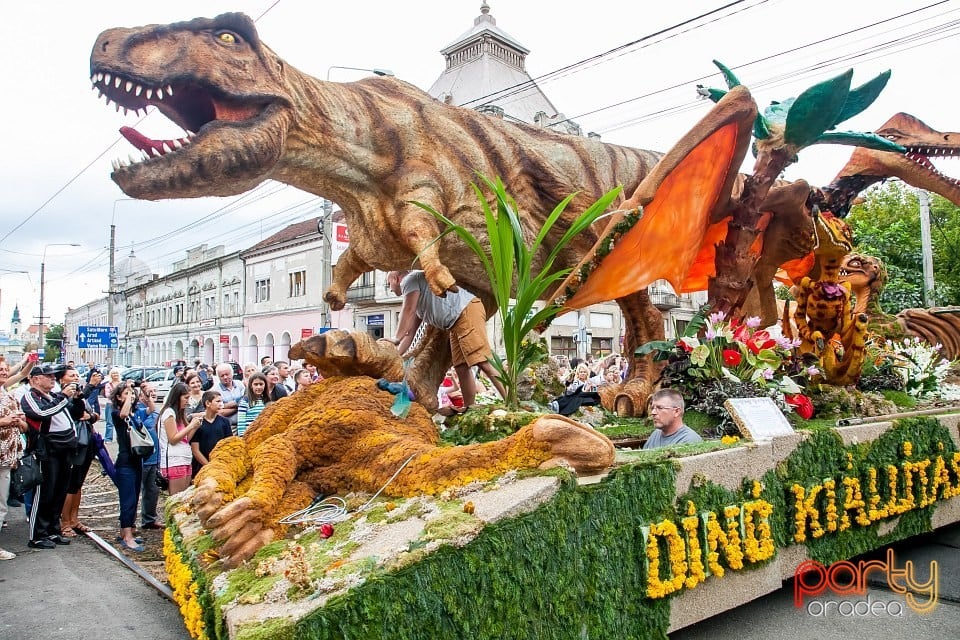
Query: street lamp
column 41, row 339
column 377, row 72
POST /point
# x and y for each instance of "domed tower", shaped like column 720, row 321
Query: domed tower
column 15, row 323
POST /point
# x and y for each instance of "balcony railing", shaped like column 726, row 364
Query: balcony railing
column 664, row 300
column 362, row 293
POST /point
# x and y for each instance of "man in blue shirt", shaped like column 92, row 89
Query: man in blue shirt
column 148, row 412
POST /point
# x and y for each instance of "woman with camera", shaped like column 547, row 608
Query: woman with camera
column 128, row 464
column 176, row 456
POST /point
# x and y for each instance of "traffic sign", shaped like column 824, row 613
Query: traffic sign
column 92, row 337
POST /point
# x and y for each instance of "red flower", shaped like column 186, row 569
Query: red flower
column 326, row 530
column 801, row 404
column 760, row 340
column 731, row 357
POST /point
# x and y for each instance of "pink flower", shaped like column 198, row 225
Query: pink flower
column 753, row 322
column 732, row 357
column 326, row 530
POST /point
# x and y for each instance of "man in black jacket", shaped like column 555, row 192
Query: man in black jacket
column 52, row 433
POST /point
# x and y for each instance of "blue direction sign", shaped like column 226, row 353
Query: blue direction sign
column 97, row 337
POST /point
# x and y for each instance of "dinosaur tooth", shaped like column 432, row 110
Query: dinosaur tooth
column 138, row 91
column 116, row 82
column 115, row 163
column 169, row 90
column 106, row 79
column 159, row 94
column 132, row 159
column 128, row 86
column 177, row 144
column 166, row 148
column 125, row 110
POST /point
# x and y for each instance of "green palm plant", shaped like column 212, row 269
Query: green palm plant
column 510, row 262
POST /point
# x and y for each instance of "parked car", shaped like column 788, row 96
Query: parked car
column 162, row 380
column 138, row 374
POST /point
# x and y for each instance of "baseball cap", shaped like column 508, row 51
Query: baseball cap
column 43, row 370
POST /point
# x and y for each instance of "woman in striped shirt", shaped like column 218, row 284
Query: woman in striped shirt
column 253, row 402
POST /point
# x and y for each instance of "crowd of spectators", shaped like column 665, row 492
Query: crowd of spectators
column 49, row 411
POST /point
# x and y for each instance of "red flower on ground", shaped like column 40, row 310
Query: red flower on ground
column 326, row 530
column 801, row 404
column 732, row 357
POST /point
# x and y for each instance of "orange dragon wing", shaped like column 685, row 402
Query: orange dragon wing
column 689, row 188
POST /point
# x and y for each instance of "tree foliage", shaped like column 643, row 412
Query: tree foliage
column 54, row 342
column 887, row 226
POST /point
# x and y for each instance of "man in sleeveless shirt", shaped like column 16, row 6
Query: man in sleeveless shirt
column 460, row 313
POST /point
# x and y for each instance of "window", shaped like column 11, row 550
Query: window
column 601, row 320
column 298, row 284
column 261, row 290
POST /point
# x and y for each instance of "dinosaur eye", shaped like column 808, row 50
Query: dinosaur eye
column 227, row 37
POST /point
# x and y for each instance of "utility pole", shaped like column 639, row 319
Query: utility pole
column 926, row 248
column 113, row 238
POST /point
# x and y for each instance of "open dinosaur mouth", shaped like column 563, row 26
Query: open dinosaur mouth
column 192, row 107
column 921, row 156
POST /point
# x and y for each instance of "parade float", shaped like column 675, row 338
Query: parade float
column 338, row 515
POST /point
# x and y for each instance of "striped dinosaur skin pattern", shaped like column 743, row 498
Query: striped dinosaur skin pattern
column 825, row 323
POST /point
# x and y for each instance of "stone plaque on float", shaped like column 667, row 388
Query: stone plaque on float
column 758, row 418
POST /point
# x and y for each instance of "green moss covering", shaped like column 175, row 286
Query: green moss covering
column 574, row 564
column 274, row 629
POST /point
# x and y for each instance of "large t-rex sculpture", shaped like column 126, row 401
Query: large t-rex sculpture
column 258, row 118
column 255, row 117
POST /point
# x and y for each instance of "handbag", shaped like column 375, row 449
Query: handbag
column 162, row 481
column 141, row 444
column 26, row 476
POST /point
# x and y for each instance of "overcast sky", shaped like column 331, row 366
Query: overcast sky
column 59, row 139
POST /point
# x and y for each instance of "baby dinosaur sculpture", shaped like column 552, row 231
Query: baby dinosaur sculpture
column 866, row 277
column 338, row 436
column 823, row 317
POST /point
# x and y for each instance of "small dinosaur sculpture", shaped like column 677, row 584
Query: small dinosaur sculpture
column 789, row 237
column 339, row 435
column 826, row 326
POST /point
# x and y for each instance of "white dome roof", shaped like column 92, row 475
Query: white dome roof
column 130, row 269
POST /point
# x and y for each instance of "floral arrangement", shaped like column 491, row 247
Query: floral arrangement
column 918, row 364
column 731, row 357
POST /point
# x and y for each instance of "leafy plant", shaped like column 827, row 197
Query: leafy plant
column 510, row 261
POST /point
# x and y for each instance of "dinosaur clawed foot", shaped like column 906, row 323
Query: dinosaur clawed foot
column 583, row 448
column 239, row 526
column 440, row 280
